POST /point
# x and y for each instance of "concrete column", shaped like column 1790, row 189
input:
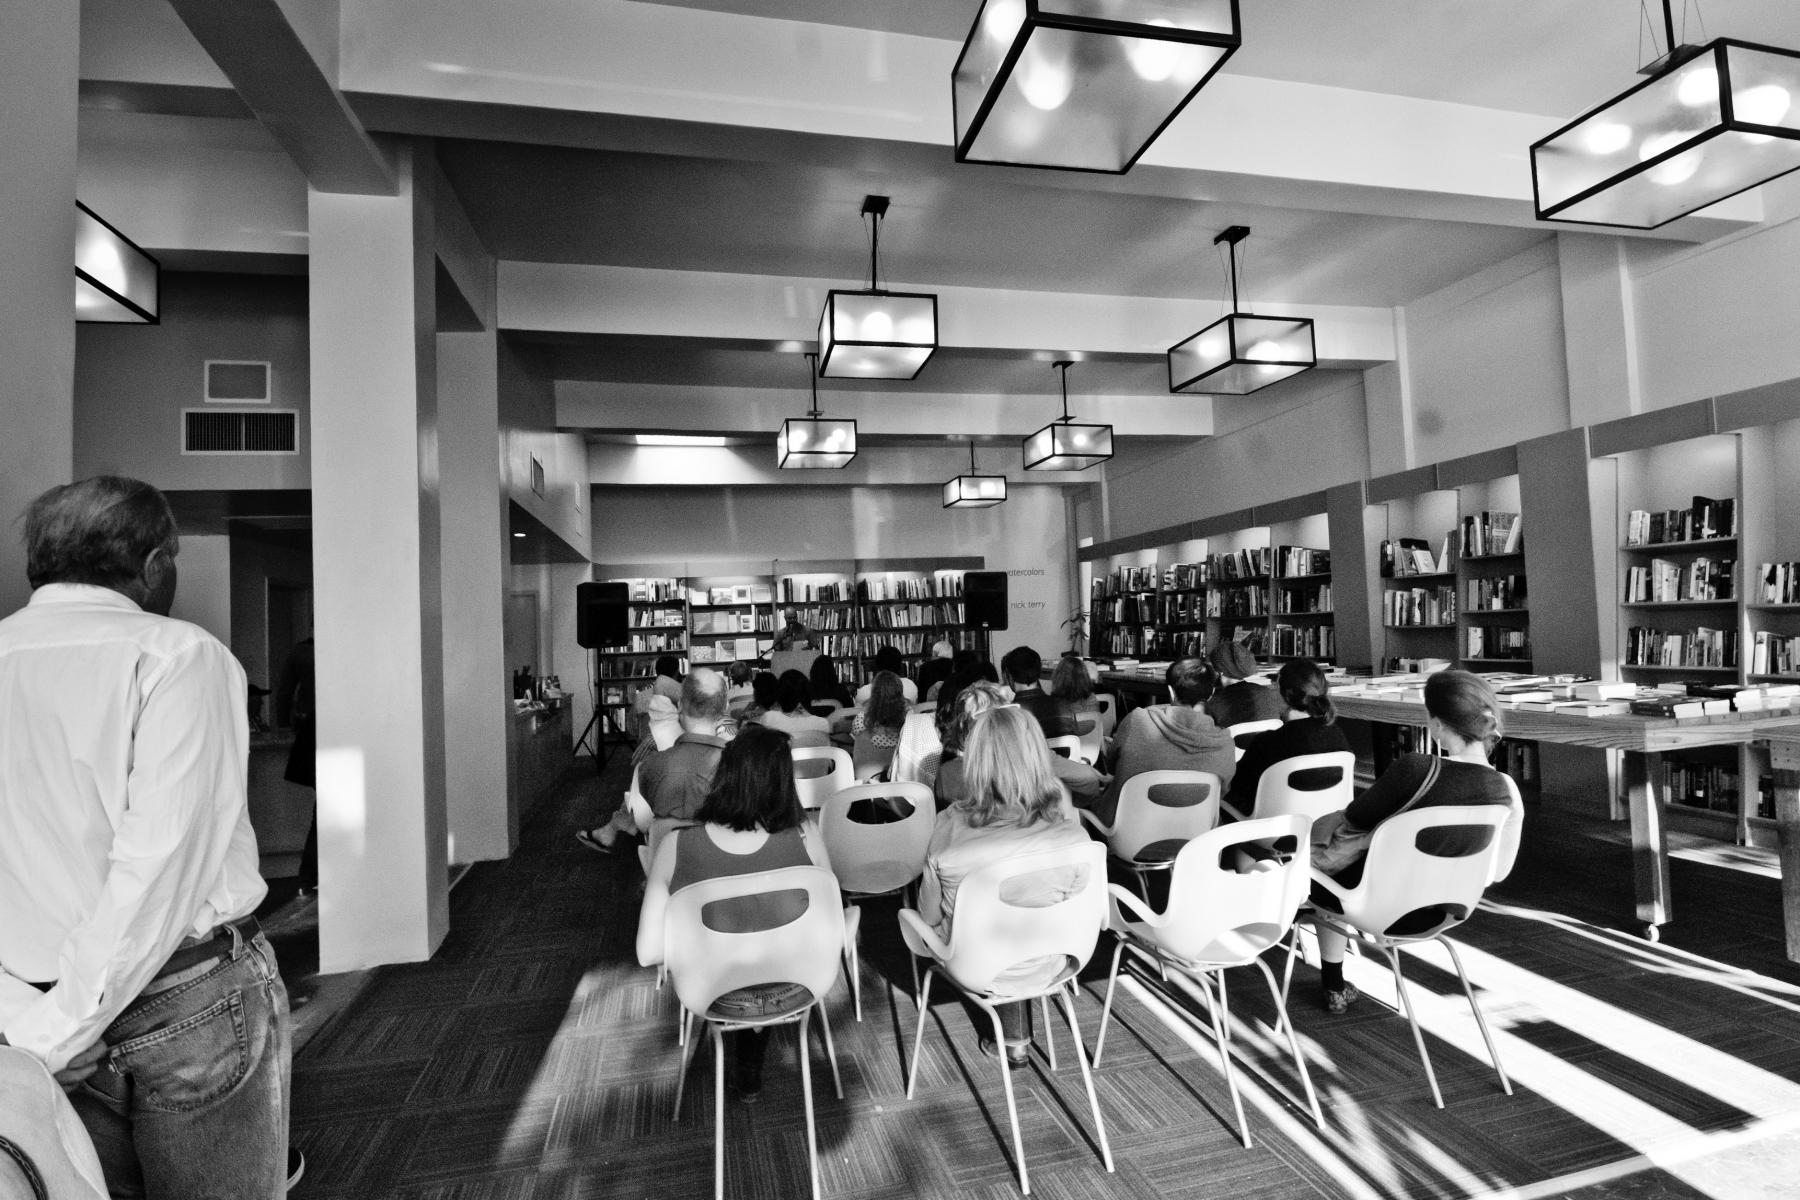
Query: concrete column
column 39, row 59
column 377, row 574
column 484, row 820
column 1599, row 328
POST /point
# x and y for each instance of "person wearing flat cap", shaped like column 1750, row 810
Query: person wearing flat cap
column 1238, row 698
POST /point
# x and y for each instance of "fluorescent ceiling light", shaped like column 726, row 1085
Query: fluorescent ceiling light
column 678, row 439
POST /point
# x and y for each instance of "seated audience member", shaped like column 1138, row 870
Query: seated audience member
column 1171, row 737
column 1238, row 698
column 1072, row 683
column 666, row 683
column 1463, row 716
column 887, row 658
column 792, row 713
column 875, row 731
column 1009, row 804
column 823, row 677
column 764, row 687
column 675, row 780
column 1310, row 727
column 962, row 662
column 739, row 695
column 1021, row 669
column 937, row 668
column 750, row 821
column 1083, row 783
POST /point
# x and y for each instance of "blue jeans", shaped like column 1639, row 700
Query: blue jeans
column 191, row 1101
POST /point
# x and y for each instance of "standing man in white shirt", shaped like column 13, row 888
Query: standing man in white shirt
column 130, row 961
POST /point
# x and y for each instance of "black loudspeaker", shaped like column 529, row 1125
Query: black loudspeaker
column 601, row 614
column 984, row 599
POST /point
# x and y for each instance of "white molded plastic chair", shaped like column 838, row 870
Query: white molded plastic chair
column 1308, row 784
column 706, row 964
column 925, row 706
column 1218, row 918
column 874, row 860
column 1093, row 741
column 870, row 761
column 1068, row 745
column 988, row 936
column 816, row 785
column 1243, row 731
column 826, row 708
column 1158, row 813
column 1109, row 712
column 1399, row 878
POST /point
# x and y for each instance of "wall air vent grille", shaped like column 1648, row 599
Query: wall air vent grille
column 257, row 431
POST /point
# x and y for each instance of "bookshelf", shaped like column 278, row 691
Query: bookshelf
column 656, row 620
column 1493, row 611
column 1302, row 611
column 908, row 605
column 1419, row 579
column 730, row 618
column 1240, row 565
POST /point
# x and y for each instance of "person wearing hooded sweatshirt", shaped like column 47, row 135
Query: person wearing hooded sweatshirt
column 1171, row 737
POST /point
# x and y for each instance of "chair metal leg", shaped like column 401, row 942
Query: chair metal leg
column 1393, row 954
column 1012, row 1108
column 924, row 994
column 853, row 966
column 812, row 1136
column 687, row 1059
column 830, row 1049
column 1287, row 974
column 1049, row 1033
column 1220, row 1016
column 1480, row 1020
column 719, row 1114
column 1112, row 980
column 1286, row 1025
column 1087, row 1078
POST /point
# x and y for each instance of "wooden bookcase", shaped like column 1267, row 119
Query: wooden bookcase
column 1493, row 612
column 1419, row 605
column 656, row 614
column 1302, row 612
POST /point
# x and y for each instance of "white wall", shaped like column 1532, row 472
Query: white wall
column 1027, row 537
column 203, row 588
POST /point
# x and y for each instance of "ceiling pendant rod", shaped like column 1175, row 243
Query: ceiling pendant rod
column 971, row 456
column 1063, row 366
column 812, row 373
column 874, row 250
column 1669, row 29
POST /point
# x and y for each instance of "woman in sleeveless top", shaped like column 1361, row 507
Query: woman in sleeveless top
column 1463, row 716
column 750, row 822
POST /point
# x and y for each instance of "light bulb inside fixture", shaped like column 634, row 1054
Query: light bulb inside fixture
column 1045, row 81
column 1764, row 104
column 1264, row 351
column 877, row 327
column 1608, row 137
column 103, row 261
column 1002, row 19
column 1699, row 86
column 1151, row 59
column 1676, row 170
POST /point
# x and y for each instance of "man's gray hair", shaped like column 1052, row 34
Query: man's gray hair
column 97, row 531
column 703, row 695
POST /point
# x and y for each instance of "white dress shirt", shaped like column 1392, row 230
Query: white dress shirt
column 123, row 823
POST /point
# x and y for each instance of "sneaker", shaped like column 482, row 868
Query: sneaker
column 296, row 1167
column 1339, row 1000
column 593, row 841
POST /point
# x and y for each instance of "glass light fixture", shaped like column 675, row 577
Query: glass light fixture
column 1082, row 85
column 973, row 490
column 1243, row 352
column 115, row 281
column 815, row 440
column 876, row 334
column 1709, row 122
column 1065, row 445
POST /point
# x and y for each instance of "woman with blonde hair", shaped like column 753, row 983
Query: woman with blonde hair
column 1010, row 803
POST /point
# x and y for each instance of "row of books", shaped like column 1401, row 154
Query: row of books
column 711, row 624
column 1774, row 654
column 656, row 591
column 1778, row 583
column 1146, row 641
column 1713, row 786
column 1413, row 556
column 1238, row 602
column 1663, row 581
column 1699, row 647
column 744, row 649
column 1257, row 562
column 1123, row 581
column 1704, row 518
column 654, row 618
column 624, row 668
column 1495, row 641
column 1136, row 609
column 1184, row 575
column 741, row 593
column 795, row 588
column 912, row 616
column 1301, row 560
column 1181, row 608
column 655, row 643
column 1313, row 598
column 1303, row 641
column 1500, row 592
column 900, row 587
column 1491, row 532
column 1403, row 607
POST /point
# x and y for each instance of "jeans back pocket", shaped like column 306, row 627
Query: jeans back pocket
column 192, row 1062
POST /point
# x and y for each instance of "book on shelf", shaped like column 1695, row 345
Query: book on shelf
column 1778, row 583
column 1663, row 705
column 1301, row 560
column 1704, row 518
column 1699, row 647
column 1605, row 689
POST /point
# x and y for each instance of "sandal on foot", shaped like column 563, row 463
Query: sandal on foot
column 1339, row 1000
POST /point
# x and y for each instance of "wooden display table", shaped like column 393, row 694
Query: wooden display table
column 1783, row 742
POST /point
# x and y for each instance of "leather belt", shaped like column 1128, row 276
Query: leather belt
column 214, row 945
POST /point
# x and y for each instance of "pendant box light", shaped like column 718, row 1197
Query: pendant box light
column 1243, row 352
column 1064, row 445
column 1710, row 122
column 973, row 490
column 876, row 334
column 115, row 281
column 1082, row 85
column 815, row 440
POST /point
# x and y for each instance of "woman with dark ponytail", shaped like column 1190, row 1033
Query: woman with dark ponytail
column 1463, row 717
column 1310, row 728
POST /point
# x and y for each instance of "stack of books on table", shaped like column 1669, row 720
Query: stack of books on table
column 1753, row 697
